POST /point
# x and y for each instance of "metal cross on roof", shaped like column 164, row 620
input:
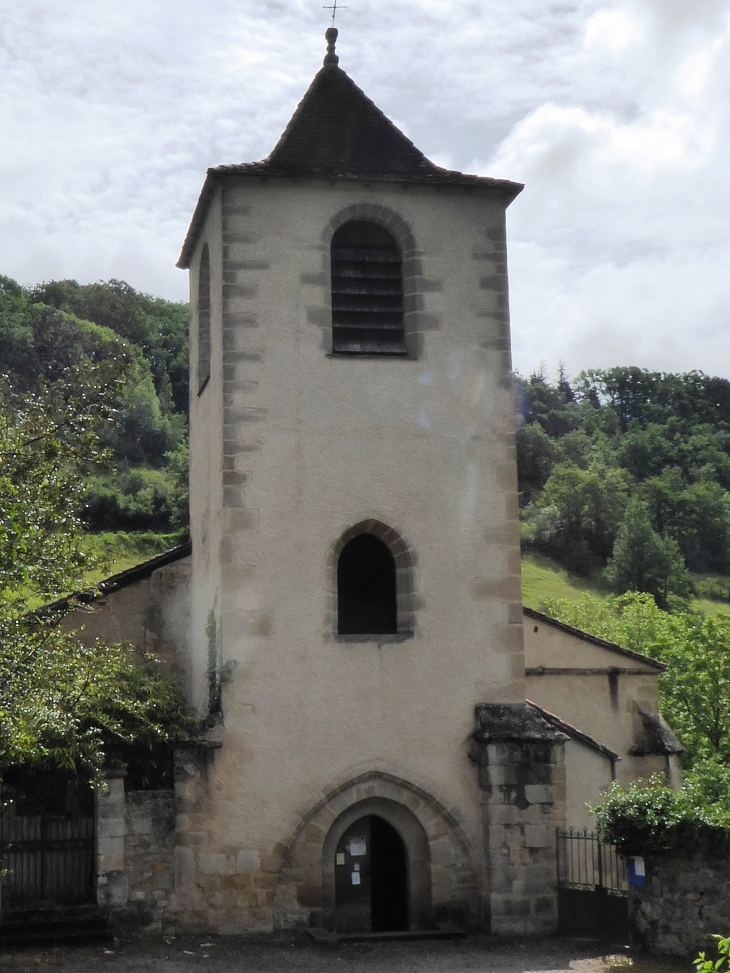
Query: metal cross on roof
column 333, row 7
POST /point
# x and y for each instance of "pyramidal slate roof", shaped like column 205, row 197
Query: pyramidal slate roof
column 337, row 132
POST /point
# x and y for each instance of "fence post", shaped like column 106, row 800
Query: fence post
column 43, row 854
column 111, row 877
column 2, row 841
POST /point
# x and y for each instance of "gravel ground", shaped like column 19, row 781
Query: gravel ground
column 218, row 954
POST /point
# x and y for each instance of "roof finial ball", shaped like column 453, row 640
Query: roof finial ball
column 331, row 36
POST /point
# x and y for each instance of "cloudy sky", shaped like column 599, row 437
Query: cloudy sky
column 615, row 113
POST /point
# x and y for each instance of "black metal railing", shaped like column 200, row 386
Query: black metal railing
column 584, row 862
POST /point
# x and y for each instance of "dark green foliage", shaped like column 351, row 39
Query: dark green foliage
column 649, row 817
column 587, row 448
column 535, row 458
column 177, row 499
column 142, row 432
column 46, row 331
column 64, row 703
column 45, row 439
column 139, row 498
column 644, row 561
column 159, row 328
column 578, row 514
column 133, row 500
column 553, row 408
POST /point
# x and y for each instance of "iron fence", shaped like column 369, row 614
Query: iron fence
column 584, row 862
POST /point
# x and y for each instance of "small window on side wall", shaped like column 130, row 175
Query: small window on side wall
column 204, row 320
column 366, row 588
column 367, row 291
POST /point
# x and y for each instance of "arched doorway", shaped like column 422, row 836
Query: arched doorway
column 371, row 878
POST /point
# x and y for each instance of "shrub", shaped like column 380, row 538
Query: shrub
column 722, row 963
column 649, row 816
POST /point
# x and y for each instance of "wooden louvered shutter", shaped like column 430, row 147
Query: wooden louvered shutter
column 367, row 291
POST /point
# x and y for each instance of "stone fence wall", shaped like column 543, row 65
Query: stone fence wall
column 521, row 760
column 135, row 851
column 685, row 901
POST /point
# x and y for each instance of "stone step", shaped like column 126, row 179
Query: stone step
column 41, row 927
column 439, row 932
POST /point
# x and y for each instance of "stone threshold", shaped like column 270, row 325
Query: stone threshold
column 439, row 932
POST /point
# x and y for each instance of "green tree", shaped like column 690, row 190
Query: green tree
column 696, row 686
column 554, row 408
column 701, row 525
column 579, row 512
column 645, row 452
column 158, row 327
column 535, row 458
column 662, row 497
column 644, row 561
column 177, row 501
column 695, row 689
column 63, row 703
column 45, row 440
column 141, row 432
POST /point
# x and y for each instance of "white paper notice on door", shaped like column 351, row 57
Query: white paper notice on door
column 355, row 876
column 340, row 858
column 358, row 846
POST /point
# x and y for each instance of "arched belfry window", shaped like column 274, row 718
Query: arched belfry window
column 366, row 588
column 203, row 319
column 367, row 291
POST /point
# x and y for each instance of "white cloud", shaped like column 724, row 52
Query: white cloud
column 667, row 140
column 696, row 69
column 612, row 29
column 614, row 114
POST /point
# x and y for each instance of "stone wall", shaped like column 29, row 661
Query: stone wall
column 111, row 829
column 224, row 887
column 521, row 760
column 135, row 837
column 685, row 901
column 149, row 850
column 230, row 888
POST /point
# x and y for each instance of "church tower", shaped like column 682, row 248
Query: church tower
column 356, row 574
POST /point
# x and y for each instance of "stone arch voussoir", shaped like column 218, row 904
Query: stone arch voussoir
column 404, row 558
column 399, row 227
column 305, row 886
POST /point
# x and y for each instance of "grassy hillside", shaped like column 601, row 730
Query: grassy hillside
column 121, row 550
column 629, row 470
column 544, row 579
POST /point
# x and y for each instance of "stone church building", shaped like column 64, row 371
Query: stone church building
column 391, row 741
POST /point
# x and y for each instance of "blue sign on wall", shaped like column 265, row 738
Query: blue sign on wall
column 637, row 871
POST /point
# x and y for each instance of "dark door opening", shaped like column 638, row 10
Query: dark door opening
column 47, row 840
column 366, row 598
column 371, row 878
column 388, row 877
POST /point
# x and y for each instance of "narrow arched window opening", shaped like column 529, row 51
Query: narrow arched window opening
column 203, row 320
column 367, row 291
column 366, row 589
